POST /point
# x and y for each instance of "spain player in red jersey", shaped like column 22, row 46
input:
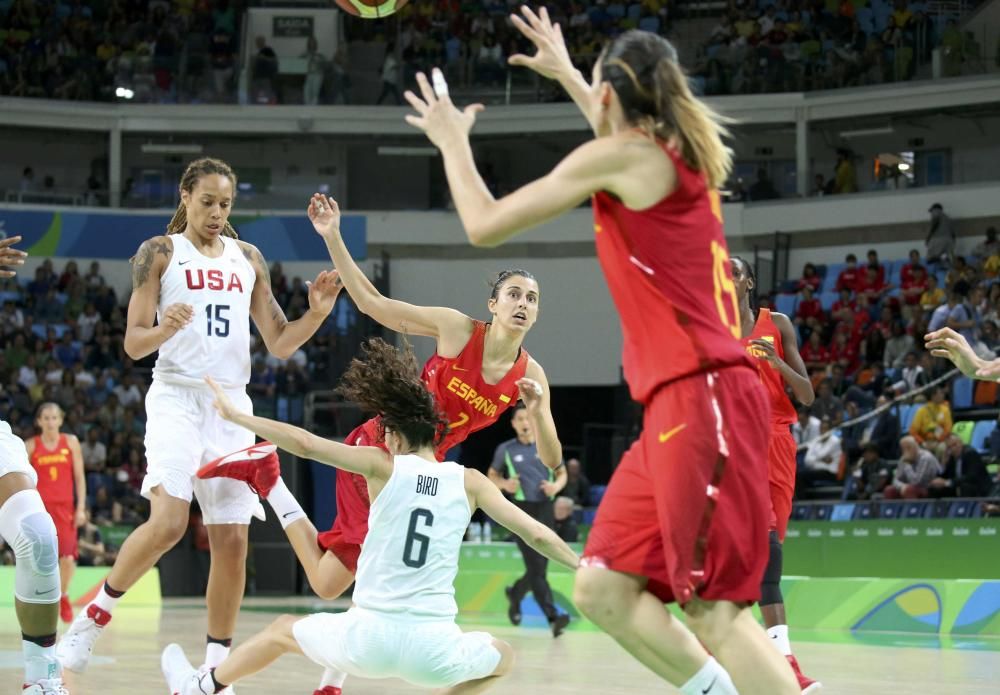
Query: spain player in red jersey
column 58, row 461
column 685, row 515
column 769, row 337
column 475, row 374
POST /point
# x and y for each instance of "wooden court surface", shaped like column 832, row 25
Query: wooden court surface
column 127, row 661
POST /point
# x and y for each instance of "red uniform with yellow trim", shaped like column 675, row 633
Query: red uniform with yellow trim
column 687, row 506
column 781, row 445
column 469, row 403
column 55, row 484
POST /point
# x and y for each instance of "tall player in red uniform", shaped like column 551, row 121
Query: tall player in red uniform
column 770, row 338
column 686, row 513
column 58, row 460
column 475, row 375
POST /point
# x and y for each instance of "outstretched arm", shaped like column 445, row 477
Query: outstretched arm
column 369, row 461
column 534, row 390
column 449, row 327
column 487, row 496
column 9, row 256
column 792, row 368
column 281, row 336
column 951, row 345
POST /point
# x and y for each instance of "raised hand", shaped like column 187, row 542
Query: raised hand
column 437, row 116
column 177, row 316
column 531, row 393
column 764, row 349
column 222, row 403
column 551, row 58
column 324, row 213
column 953, row 346
column 10, row 256
column 323, row 291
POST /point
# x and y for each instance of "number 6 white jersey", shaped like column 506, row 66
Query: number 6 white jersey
column 416, row 525
column 217, row 342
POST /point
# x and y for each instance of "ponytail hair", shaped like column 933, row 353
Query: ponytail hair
column 654, row 93
column 205, row 166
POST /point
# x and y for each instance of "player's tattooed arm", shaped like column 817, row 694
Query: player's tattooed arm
column 143, row 335
column 152, row 250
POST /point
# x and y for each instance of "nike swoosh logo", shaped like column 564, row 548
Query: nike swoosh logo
column 288, row 514
column 664, row 436
column 458, row 369
column 42, row 593
column 183, row 262
column 711, row 685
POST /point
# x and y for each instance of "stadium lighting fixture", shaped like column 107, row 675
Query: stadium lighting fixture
column 124, row 93
column 862, row 132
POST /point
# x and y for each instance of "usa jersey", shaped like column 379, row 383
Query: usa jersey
column 459, row 389
column 217, row 342
column 667, row 268
column 782, row 410
column 409, row 559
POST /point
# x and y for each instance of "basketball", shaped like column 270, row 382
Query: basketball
column 370, row 9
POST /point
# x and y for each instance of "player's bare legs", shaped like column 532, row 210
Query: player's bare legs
column 481, row 685
column 326, row 573
column 738, row 642
column 167, row 524
column 226, row 577
column 619, row 604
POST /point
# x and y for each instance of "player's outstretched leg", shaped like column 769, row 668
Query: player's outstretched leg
column 637, row 620
column 167, row 524
column 28, row 529
column 772, row 608
column 736, row 639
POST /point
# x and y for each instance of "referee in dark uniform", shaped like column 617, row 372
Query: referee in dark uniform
column 519, row 472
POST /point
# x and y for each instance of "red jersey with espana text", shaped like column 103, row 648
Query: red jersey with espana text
column 457, row 384
column 668, row 271
column 55, row 470
column 782, row 410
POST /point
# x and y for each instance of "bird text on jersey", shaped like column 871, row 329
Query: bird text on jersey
column 215, row 280
column 427, row 485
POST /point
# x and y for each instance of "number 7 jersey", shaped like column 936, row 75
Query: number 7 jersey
column 409, row 558
column 217, row 341
column 668, row 271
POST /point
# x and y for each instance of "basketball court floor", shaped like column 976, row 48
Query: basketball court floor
column 127, row 661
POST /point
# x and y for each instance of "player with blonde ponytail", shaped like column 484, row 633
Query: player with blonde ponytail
column 194, row 291
column 686, row 513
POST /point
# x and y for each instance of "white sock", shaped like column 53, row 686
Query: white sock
column 332, row 676
column 215, row 654
column 105, row 601
column 40, row 662
column 712, row 679
column 284, row 504
column 779, row 638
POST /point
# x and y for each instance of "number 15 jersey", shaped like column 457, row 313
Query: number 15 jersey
column 668, row 271
column 409, row 558
column 217, row 342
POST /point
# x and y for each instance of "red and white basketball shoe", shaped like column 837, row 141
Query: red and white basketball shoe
column 807, row 684
column 257, row 466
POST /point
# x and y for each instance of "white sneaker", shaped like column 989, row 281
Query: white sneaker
column 76, row 646
column 203, row 671
column 181, row 677
column 46, row 686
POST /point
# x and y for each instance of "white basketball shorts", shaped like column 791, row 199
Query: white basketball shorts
column 13, row 455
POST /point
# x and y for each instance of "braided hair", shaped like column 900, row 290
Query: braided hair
column 206, row 166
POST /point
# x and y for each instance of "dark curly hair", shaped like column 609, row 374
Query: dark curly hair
column 386, row 381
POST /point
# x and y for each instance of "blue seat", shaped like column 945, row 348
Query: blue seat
column 981, row 435
column 832, row 272
column 597, row 494
column 894, row 271
column 10, row 297
column 650, row 24
column 786, row 304
column 941, row 275
column 634, row 12
column 961, row 393
column 906, row 415
column 826, row 300
column 588, row 516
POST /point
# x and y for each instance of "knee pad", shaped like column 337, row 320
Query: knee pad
column 770, row 587
column 29, row 531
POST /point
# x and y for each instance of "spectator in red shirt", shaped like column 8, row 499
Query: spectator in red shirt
column 848, row 278
column 914, row 286
column 814, row 354
column 843, row 307
column 907, row 271
column 810, row 278
column 871, row 287
column 873, row 262
column 844, row 352
column 809, row 312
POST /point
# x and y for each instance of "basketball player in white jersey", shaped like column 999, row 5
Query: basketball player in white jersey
column 202, row 286
column 402, row 624
column 28, row 529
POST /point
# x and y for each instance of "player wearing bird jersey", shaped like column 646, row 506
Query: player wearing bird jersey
column 194, row 292
column 27, row 528
column 476, row 373
column 769, row 338
column 58, row 461
column 685, row 514
column 403, row 621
